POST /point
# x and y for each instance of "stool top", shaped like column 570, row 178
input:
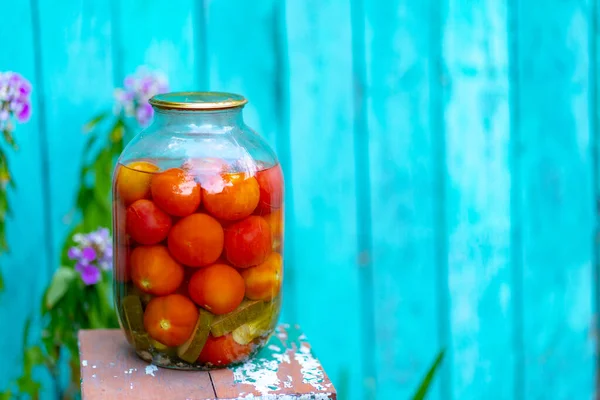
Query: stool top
column 285, row 368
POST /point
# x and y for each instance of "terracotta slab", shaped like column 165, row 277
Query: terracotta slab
column 111, row 370
column 286, row 368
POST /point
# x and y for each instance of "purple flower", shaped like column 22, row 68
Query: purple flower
column 88, row 254
column 74, row 253
column 138, row 88
column 14, row 99
column 92, row 254
column 90, row 275
column 24, row 114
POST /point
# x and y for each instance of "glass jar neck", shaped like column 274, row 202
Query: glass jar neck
column 216, row 118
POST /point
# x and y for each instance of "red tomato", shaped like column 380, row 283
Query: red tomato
column 223, row 351
column 231, row 196
column 170, row 319
column 276, row 222
column 270, row 182
column 218, row 288
column 263, row 282
column 146, row 223
column 122, row 265
column 196, row 240
column 175, row 192
column 248, row 242
column 154, row 271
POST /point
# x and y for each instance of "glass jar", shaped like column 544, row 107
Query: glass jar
column 198, row 234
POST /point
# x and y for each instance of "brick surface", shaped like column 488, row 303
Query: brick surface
column 285, row 368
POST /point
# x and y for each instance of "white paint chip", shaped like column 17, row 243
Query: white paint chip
column 310, row 368
column 151, row 369
column 84, row 363
column 260, row 373
column 272, row 347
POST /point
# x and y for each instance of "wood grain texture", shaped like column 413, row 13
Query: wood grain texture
column 594, row 107
column 285, row 367
column 27, row 263
column 76, row 65
column 323, row 181
column 403, row 193
column 478, row 223
column 243, row 58
column 161, row 36
column 558, row 213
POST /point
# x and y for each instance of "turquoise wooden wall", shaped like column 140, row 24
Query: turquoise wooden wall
column 441, row 158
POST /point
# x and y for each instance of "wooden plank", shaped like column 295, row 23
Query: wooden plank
column 27, row 264
column 160, row 35
column 478, row 204
column 76, row 65
column 558, row 213
column 286, row 367
column 363, row 197
column 111, row 370
column 401, row 142
column 594, row 65
column 324, row 187
column 243, row 58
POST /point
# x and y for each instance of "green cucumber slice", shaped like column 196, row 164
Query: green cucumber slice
column 191, row 349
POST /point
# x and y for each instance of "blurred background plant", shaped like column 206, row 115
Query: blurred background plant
column 15, row 105
column 79, row 294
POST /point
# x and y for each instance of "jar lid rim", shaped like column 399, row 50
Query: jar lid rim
column 197, row 101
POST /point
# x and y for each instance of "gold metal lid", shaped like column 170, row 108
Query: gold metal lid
column 198, row 101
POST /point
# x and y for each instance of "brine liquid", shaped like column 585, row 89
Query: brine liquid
column 198, row 265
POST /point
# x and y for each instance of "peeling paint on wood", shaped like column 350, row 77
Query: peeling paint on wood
column 284, row 369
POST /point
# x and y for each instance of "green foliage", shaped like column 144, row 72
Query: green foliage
column 68, row 304
column 5, row 182
column 58, row 286
column 428, row 378
column 26, row 384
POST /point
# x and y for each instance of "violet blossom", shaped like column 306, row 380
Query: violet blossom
column 137, row 89
column 15, row 100
column 92, row 254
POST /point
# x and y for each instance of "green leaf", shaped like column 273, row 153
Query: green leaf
column 103, row 181
column 6, row 395
column 58, row 287
column 428, row 379
column 1, row 282
column 84, row 196
column 8, row 138
column 26, row 331
column 28, row 385
column 90, row 142
column 34, row 356
column 91, row 124
column 117, row 132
